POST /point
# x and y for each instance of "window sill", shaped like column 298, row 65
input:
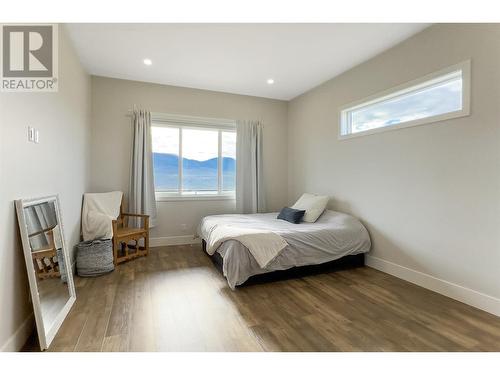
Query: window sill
column 160, row 197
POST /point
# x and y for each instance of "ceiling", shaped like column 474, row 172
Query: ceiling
column 235, row 58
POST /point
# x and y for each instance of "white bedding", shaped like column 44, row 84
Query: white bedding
column 264, row 245
column 332, row 236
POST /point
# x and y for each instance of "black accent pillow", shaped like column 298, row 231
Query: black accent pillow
column 291, row 214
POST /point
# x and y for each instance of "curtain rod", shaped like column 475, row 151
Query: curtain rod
column 161, row 116
column 170, row 117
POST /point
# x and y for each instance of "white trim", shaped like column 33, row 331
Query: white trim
column 173, row 197
column 174, row 240
column 416, row 84
column 190, row 122
column 17, row 340
column 220, row 157
column 460, row 293
column 58, row 321
column 180, row 158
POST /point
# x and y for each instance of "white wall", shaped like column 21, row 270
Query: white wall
column 112, row 131
column 429, row 195
column 57, row 165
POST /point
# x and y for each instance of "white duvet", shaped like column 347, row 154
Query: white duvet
column 264, row 245
column 332, row 236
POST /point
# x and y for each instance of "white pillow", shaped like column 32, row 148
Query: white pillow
column 313, row 204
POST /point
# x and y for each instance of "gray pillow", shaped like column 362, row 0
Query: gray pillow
column 292, row 215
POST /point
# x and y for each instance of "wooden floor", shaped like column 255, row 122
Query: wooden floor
column 175, row 300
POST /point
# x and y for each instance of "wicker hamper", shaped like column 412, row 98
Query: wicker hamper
column 94, row 258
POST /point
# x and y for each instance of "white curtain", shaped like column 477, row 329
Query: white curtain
column 249, row 168
column 141, row 198
column 40, row 217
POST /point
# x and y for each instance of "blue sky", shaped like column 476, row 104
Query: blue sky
column 443, row 98
column 198, row 144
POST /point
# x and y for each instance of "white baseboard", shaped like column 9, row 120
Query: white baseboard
column 460, row 293
column 174, row 240
column 19, row 338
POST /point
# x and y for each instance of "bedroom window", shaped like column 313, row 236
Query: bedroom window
column 438, row 96
column 193, row 158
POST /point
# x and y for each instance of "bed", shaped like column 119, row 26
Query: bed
column 333, row 236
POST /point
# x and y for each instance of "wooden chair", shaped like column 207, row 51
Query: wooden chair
column 126, row 239
column 45, row 259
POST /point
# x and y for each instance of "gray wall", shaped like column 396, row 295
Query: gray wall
column 429, row 195
column 112, row 131
column 58, row 164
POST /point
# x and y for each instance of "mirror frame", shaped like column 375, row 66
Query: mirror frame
column 45, row 338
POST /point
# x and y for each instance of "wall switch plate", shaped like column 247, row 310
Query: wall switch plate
column 37, row 139
column 31, row 134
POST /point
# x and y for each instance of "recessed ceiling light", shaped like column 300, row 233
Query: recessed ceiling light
column 147, row 61
column 270, row 81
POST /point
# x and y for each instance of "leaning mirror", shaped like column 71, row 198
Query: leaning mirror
column 48, row 264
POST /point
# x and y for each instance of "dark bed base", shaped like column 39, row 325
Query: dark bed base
column 349, row 261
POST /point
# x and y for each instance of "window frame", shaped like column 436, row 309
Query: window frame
column 415, row 85
column 191, row 122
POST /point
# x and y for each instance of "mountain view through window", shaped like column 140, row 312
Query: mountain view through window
column 199, row 170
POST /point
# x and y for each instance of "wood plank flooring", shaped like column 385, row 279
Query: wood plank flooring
column 175, row 300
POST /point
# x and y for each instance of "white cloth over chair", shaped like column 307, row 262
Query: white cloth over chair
column 99, row 210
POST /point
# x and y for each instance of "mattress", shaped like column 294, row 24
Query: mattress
column 333, row 236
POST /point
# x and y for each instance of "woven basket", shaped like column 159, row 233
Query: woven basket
column 94, row 258
column 62, row 265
